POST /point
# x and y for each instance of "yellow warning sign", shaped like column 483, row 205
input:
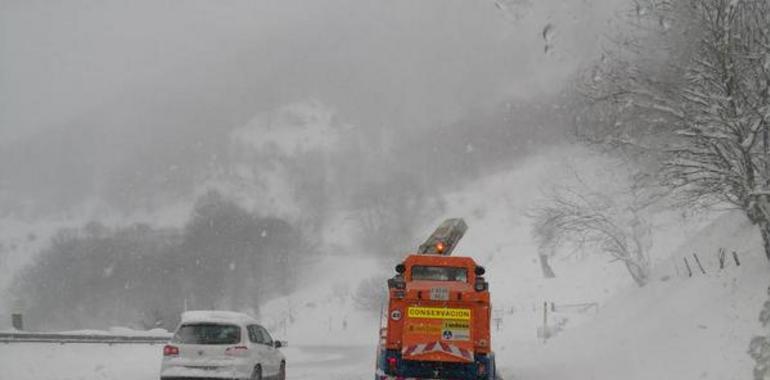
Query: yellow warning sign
column 439, row 313
column 455, row 330
column 456, row 325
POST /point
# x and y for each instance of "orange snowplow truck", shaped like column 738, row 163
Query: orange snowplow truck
column 438, row 314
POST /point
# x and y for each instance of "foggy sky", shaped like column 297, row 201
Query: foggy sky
column 104, row 84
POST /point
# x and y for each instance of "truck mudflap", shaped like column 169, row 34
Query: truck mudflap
column 437, row 347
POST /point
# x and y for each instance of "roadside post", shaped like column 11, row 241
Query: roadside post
column 17, row 316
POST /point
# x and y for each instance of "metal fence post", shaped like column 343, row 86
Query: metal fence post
column 17, row 321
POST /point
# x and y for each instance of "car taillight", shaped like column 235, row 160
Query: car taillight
column 169, row 350
column 236, row 351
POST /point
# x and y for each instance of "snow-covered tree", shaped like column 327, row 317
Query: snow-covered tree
column 589, row 220
column 689, row 91
column 696, row 100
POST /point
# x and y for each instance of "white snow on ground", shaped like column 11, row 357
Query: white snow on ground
column 327, row 363
column 43, row 361
column 682, row 328
column 323, row 311
column 32, row 361
column 676, row 327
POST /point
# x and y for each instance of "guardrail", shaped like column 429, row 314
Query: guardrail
column 23, row 337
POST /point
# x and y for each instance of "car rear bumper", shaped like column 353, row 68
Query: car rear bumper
column 219, row 373
column 195, row 378
column 175, row 368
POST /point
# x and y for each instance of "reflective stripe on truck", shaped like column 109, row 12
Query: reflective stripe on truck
column 428, row 348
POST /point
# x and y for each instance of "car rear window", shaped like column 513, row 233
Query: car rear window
column 208, row 333
column 433, row 273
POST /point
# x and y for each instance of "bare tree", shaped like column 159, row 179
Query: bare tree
column 724, row 137
column 698, row 104
column 587, row 220
column 697, row 101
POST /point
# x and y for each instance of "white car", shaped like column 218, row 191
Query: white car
column 222, row 345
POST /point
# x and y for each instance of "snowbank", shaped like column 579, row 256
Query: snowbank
column 121, row 331
column 680, row 328
column 27, row 361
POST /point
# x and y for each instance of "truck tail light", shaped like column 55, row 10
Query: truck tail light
column 236, row 351
column 392, row 363
column 169, row 350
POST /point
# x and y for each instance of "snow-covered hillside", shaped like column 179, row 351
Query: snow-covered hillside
column 323, row 311
column 673, row 328
column 680, row 328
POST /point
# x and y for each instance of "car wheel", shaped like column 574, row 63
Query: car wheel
column 282, row 371
column 256, row 374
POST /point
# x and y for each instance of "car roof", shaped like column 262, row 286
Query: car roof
column 218, row 316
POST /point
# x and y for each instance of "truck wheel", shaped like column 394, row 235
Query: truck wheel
column 256, row 374
column 493, row 368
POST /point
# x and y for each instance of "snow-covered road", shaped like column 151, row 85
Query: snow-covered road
column 44, row 361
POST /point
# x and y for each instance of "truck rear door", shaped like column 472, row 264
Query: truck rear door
column 438, row 332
